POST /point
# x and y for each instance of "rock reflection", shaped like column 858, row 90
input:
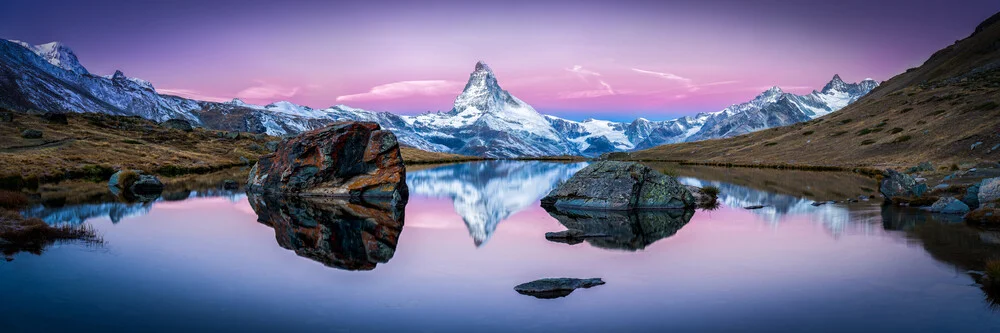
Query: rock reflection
column 623, row 230
column 332, row 231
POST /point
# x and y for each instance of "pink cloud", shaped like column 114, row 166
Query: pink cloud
column 268, row 91
column 192, row 94
column 403, row 89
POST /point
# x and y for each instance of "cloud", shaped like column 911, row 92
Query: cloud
column 607, row 87
column 267, row 91
column 405, row 89
column 583, row 73
column 668, row 76
column 192, row 94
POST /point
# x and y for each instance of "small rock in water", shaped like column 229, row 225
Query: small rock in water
column 754, row 207
column 555, row 287
column 818, row 203
column 570, row 236
column 949, row 205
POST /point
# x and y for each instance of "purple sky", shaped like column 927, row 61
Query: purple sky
column 574, row 58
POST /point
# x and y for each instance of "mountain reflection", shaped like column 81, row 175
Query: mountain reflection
column 116, row 211
column 332, row 231
column 623, row 230
column 485, row 193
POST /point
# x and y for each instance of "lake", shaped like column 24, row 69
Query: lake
column 215, row 260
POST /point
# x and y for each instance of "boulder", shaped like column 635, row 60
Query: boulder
column 6, row 116
column 134, row 185
column 949, row 205
column 971, row 197
column 923, row 166
column 555, row 287
column 989, row 190
column 31, row 134
column 332, row 231
column 232, row 135
column 356, row 160
column 612, row 185
column 178, row 124
column 896, row 184
column 55, row 118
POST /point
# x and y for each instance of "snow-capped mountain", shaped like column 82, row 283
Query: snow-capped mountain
column 486, row 193
column 485, row 120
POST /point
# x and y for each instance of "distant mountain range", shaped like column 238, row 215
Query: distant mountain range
column 485, row 120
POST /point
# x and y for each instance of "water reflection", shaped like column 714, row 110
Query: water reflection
column 485, row 193
column 75, row 214
column 623, row 230
column 332, row 231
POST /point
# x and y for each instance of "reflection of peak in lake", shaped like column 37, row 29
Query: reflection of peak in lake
column 116, row 211
column 623, row 230
column 332, row 231
column 485, row 193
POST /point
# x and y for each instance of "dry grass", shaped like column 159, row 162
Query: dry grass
column 416, row 156
column 12, row 200
column 92, row 146
column 955, row 80
column 18, row 234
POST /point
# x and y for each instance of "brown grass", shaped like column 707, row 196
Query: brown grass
column 416, row 156
column 18, row 234
column 12, row 200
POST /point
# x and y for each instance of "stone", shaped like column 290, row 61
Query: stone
column 612, row 185
column 896, row 184
column 356, row 160
column 941, row 187
column 555, row 287
column 923, row 166
column 272, row 146
column 971, row 197
column 178, row 124
column 759, row 206
column 133, row 185
column 332, row 231
column 989, row 190
column 949, row 205
column 31, row 134
column 6, row 116
column 55, row 118
column 232, row 135
column 628, row 230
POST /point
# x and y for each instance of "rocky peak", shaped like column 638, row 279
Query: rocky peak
column 482, row 91
column 835, row 84
column 119, row 76
column 58, row 55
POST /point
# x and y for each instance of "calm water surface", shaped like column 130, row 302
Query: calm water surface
column 220, row 261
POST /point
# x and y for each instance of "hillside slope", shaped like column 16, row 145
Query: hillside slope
column 946, row 111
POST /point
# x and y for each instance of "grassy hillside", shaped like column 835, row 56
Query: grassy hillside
column 92, row 146
column 946, row 111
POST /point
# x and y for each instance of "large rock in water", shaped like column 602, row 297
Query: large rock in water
column 949, row 205
column 356, row 160
column 989, row 190
column 555, row 287
column 896, row 184
column 620, row 230
column 612, row 185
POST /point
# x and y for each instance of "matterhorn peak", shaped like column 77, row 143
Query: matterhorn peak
column 481, row 66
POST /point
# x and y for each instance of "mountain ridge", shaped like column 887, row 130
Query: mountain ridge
column 486, row 120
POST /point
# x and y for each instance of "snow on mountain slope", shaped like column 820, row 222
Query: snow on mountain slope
column 485, row 120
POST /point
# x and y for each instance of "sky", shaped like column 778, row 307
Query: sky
column 573, row 58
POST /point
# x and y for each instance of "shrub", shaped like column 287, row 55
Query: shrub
column 807, row 133
column 867, row 142
column 990, row 105
column 954, row 167
column 895, row 130
column 97, row 173
column 132, row 142
column 937, row 112
column 710, row 190
column 845, row 121
column 839, row 133
column 864, row 131
column 921, row 122
column 12, row 200
column 768, row 144
column 905, row 110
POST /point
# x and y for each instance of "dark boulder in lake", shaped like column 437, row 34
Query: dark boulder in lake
column 612, row 185
column 332, row 231
column 555, row 287
column 133, row 185
column 355, row 160
column 622, row 230
column 897, row 184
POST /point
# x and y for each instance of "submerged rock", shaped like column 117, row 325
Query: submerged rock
column 332, row 231
column 949, row 205
column 896, row 184
column 355, row 160
column 178, row 124
column 620, row 230
column 555, row 287
column 611, row 185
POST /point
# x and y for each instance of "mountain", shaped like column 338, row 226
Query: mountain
column 486, row 120
column 945, row 111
